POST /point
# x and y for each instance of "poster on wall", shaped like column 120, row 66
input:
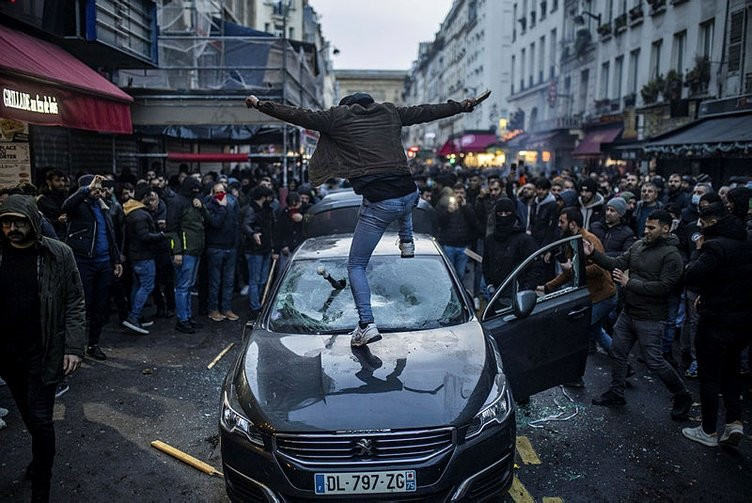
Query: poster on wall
column 15, row 161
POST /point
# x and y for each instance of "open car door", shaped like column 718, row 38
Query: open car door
column 543, row 339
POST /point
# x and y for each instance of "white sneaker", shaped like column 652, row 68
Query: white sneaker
column 407, row 250
column 698, row 435
column 4, row 412
column 2, row 424
column 244, row 291
column 362, row 336
column 732, row 434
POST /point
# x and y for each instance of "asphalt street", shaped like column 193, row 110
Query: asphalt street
column 158, row 387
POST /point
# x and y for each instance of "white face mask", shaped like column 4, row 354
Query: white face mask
column 695, row 199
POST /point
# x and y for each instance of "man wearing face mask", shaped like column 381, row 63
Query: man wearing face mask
column 185, row 233
column 506, row 248
column 221, row 252
column 721, row 272
column 44, row 327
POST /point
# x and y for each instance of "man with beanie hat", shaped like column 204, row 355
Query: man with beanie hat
column 590, row 203
column 361, row 140
column 615, row 235
column 143, row 240
column 91, row 235
column 44, row 327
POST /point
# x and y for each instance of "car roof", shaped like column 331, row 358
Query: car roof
column 338, row 245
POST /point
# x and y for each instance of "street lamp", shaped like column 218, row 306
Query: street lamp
column 579, row 19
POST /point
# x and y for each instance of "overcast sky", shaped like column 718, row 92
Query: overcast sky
column 379, row 34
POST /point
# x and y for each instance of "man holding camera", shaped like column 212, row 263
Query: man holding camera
column 91, row 235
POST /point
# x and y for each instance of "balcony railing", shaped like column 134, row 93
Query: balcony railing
column 556, row 123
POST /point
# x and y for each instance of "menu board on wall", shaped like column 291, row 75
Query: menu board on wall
column 15, row 161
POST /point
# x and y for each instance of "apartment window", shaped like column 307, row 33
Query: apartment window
column 552, row 54
column 706, row 38
column 267, row 27
column 632, row 77
column 514, row 64
column 543, row 8
column 680, row 43
column 514, row 23
column 291, row 34
column 736, row 41
column 554, row 5
column 622, row 7
column 523, row 62
column 532, row 64
column 584, row 79
column 541, row 58
column 618, row 69
column 605, row 67
column 609, row 10
column 655, row 58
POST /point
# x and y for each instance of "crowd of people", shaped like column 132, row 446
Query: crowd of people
column 667, row 259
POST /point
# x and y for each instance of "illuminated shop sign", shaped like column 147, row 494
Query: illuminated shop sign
column 25, row 101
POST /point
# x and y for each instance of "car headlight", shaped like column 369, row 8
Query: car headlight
column 496, row 412
column 235, row 422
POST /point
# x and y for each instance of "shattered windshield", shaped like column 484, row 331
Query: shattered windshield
column 406, row 295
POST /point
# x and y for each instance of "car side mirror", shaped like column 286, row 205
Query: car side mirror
column 524, row 303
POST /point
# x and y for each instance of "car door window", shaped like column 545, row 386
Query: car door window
column 537, row 270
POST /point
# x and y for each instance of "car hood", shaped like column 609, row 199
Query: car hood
column 305, row 383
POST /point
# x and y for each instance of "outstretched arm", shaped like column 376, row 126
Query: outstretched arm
column 318, row 120
column 427, row 113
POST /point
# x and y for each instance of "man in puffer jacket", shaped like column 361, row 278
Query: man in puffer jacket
column 361, row 140
column 721, row 272
column 648, row 272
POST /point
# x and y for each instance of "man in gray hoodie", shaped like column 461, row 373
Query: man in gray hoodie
column 648, row 272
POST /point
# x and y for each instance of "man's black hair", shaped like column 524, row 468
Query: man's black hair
column 715, row 210
column 260, row 192
column 573, row 215
column 663, row 217
column 292, row 198
column 53, row 173
column 543, row 183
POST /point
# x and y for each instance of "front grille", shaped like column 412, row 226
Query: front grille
column 239, row 488
column 491, row 484
column 381, row 447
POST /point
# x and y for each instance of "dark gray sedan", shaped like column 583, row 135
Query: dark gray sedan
column 425, row 414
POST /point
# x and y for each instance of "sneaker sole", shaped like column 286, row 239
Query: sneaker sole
column 361, row 344
column 733, row 440
column 135, row 328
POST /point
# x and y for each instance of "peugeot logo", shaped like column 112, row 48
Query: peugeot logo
column 366, row 447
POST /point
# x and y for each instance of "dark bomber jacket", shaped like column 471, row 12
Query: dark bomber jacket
column 357, row 141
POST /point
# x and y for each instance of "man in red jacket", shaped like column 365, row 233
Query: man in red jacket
column 361, row 141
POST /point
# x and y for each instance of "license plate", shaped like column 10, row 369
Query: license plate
column 365, row 482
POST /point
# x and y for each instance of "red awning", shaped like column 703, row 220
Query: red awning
column 468, row 142
column 590, row 146
column 207, row 157
column 44, row 84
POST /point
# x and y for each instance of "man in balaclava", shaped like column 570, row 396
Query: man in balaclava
column 361, row 141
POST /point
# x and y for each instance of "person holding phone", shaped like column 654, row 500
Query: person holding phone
column 222, row 217
column 361, row 141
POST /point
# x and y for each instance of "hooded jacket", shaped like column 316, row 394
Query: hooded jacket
column 185, row 222
column 593, row 211
column 63, row 314
column 142, row 238
column 721, row 273
column 501, row 256
column 357, row 140
column 616, row 239
column 655, row 270
column 543, row 220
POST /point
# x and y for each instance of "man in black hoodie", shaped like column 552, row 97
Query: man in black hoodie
column 51, row 199
column 257, row 230
column 721, row 272
column 44, row 327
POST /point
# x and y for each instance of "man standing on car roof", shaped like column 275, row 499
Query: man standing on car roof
column 361, row 141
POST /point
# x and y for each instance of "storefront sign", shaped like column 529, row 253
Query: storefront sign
column 25, row 101
column 15, row 161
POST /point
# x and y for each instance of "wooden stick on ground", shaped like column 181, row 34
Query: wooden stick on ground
column 186, row 458
column 220, row 355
